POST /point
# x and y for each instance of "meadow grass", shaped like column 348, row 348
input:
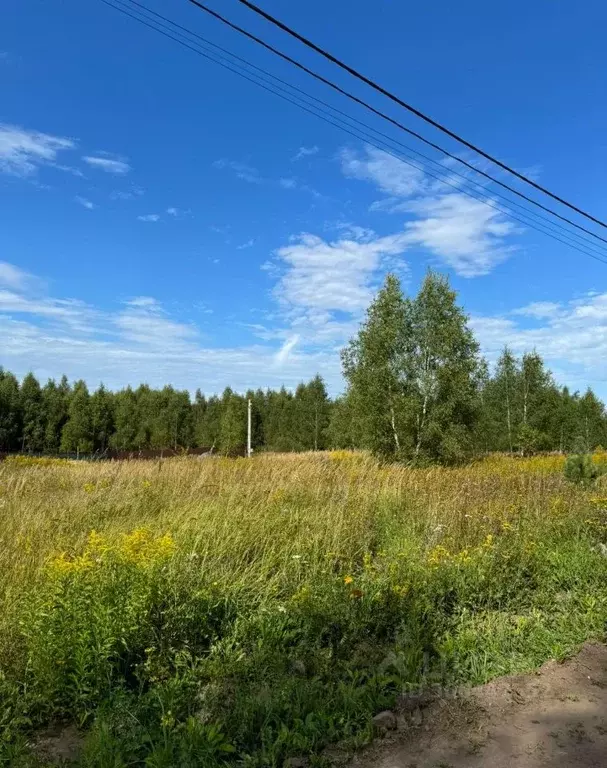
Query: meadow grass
column 187, row 613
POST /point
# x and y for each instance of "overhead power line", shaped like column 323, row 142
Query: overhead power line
column 338, row 123
column 421, row 164
column 380, row 89
column 424, row 159
column 384, row 116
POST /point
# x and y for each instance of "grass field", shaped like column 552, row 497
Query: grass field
column 189, row 613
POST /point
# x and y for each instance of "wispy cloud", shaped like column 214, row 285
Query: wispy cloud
column 85, row 202
column 248, row 244
column 387, row 172
column 128, row 194
column 145, row 322
column 139, row 341
column 15, row 277
column 67, row 312
column 23, row 151
column 149, row 217
column 286, row 349
column 173, row 211
column 305, row 152
column 117, row 166
column 251, row 175
column 539, row 310
column 241, row 170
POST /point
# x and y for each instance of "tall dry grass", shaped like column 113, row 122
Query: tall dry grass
column 304, row 555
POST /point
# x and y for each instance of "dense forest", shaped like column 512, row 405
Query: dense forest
column 417, row 389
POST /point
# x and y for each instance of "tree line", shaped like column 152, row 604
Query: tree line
column 63, row 418
column 417, row 389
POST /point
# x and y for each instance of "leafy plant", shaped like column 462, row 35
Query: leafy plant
column 580, row 468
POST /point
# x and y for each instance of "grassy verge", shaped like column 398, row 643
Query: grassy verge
column 232, row 611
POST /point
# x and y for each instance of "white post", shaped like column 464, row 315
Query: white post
column 249, row 430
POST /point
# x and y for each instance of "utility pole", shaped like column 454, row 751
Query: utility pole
column 249, row 429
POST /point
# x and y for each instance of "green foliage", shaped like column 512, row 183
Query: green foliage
column 414, row 375
column 233, row 430
column 580, row 468
column 77, row 434
column 10, row 412
column 32, row 409
column 529, row 440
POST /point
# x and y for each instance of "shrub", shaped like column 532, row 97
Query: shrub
column 579, row 468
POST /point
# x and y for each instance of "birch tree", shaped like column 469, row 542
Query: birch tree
column 414, row 374
column 375, row 367
column 446, row 369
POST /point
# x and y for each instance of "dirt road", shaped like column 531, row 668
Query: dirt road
column 556, row 717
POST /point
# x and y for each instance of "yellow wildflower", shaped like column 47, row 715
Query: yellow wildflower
column 142, row 548
column 348, row 580
column 96, row 543
column 438, row 555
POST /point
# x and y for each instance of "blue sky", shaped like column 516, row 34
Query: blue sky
column 165, row 220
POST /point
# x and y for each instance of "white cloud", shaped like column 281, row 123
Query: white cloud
column 117, row 166
column 173, row 211
column 390, row 174
column 22, row 151
column 15, row 278
column 139, row 342
column 248, row 244
column 287, row 183
column 149, row 217
column 146, row 323
column 67, row 312
column 84, row 202
column 465, row 233
column 539, row 310
column 142, row 301
column 336, row 275
column 305, row 152
column 284, row 352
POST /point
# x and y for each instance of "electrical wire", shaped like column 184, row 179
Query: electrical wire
column 340, row 124
column 384, row 116
column 406, row 148
column 413, row 110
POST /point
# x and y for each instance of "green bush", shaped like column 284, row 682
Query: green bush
column 579, row 468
